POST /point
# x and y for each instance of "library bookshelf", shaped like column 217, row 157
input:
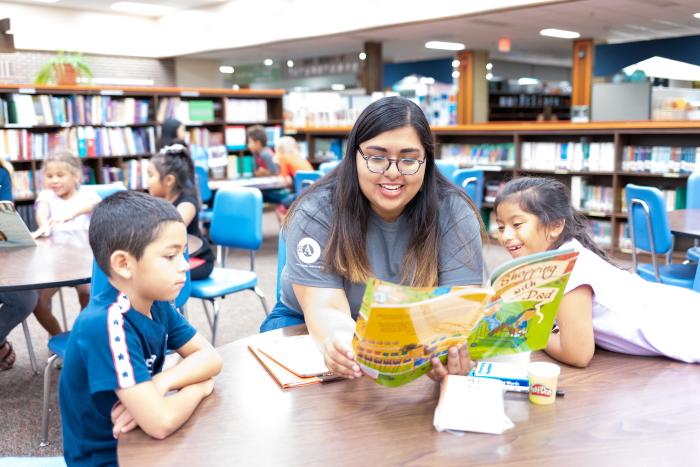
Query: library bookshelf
column 596, row 160
column 115, row 129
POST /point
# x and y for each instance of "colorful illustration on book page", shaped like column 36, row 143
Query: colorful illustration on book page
column 400, row 329
column 521, row 313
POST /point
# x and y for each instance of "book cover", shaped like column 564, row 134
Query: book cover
column 400, row 329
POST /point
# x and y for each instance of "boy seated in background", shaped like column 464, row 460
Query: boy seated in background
column 264, row 158
column 112, row 380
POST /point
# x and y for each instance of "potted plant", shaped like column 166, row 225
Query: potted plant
column 64, row 68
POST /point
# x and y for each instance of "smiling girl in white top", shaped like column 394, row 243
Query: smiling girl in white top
column 62, row 207
column 603, row 304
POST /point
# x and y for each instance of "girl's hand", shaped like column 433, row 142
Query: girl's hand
column 458, row 363
column 122, row 420
column 43, row 231
column 338, row 356
column 60, row 219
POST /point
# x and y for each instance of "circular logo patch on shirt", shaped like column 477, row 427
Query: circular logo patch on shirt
column 308, row 250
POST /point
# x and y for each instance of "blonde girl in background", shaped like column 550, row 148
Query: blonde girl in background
column 61, row 207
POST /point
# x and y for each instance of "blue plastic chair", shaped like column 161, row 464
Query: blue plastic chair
column 237, row 223
column 650, row 232
column 696, row 283
column 692, row 201
column 446, row 168
column 103, row 190
column 327, row 167
column 304, row 178
column 472, row 182
column 205, row 193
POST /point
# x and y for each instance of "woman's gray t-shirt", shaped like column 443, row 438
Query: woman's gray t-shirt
column 460, row 252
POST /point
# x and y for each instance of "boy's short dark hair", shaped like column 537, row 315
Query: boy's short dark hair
column 257, row 132
column 129, row 221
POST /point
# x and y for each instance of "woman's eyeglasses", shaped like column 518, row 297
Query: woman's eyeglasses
column 379, row 164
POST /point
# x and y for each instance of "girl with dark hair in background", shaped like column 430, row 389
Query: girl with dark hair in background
column 384, row 212
column 173, row 131
column 602, row 304
column 171, row 177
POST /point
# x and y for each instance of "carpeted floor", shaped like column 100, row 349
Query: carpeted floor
column 241, row 314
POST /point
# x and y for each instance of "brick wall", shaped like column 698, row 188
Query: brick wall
column 21, row 67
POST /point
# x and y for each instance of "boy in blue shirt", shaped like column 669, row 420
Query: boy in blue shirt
column 112, row 380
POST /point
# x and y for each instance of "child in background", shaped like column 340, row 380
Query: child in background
column 264, row 158
column 171, row 177
column 602, row 304
column 173, row 132
column 112, row 380
column 290, row 161
column 63, row 206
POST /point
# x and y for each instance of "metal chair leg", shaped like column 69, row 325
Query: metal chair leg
column 63, row 310
column 215, row 321
column 45, row 405
column 30, row 347
column 260, row 295
column 206, row 312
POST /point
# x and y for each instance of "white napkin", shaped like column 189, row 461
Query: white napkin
column 471, row 404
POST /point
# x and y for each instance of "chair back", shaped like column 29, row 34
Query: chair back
column 446, row 168
column 304, row 178
column 103, row 190
column 646, row 214
column 472, row 182
column 281, row 261
column 237, row 219
column 693, row 192
column 327, row 167
column 202, row 175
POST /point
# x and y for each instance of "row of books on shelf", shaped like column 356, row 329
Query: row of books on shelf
column 576, row 156
column 674, row 198
column 187, row 111
column 22, row 184
column 236, row 137
column 85, row 141
column 204, row 137
column 502, row 154
column 531, row 100
column 133, row 173
column 589, row 197
column 323, row 109
column 246, row 110
column 660, row 159
column 43, row 109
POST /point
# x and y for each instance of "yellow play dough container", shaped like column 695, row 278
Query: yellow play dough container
column 542, row 378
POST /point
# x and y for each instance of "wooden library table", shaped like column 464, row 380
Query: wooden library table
column 622, row 410
column 685, row 222
column 261, row 183
column 63, row 259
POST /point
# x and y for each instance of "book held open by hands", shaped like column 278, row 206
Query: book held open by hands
column 400, row 329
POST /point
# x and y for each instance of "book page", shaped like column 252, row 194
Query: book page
column 13, row 231
column 400, row 329
column 521, row 313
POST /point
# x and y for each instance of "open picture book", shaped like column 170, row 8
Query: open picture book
column 13, row 230
column 400, row 329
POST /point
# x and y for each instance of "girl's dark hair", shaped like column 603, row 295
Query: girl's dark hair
column 168, row 134
column 345, row 251
column 549, row 200
column 175, row 159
